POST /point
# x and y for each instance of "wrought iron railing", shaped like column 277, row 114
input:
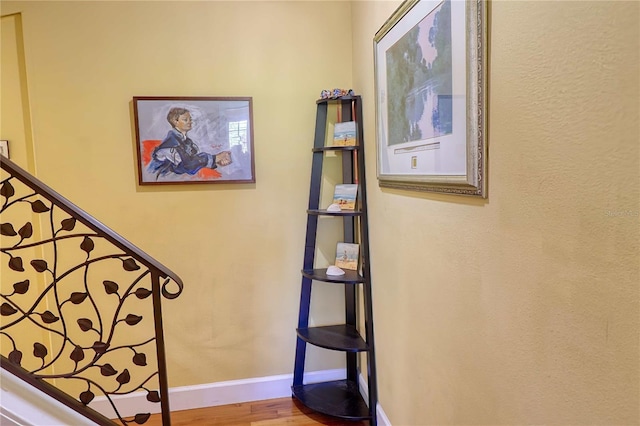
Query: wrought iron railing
column 80, row 311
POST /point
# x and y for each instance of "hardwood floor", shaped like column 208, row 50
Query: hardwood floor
column 274, row 412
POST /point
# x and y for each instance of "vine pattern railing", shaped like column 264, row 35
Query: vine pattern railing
column 80, row 311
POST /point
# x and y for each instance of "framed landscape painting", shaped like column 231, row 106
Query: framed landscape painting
column 430, row 76
column 194, row 140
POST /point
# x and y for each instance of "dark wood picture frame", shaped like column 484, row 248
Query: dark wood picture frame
column 194, row 139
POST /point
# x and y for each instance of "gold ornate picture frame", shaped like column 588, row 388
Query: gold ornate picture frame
column 430, row 75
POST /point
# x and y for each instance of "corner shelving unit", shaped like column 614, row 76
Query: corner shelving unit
column 341, row 398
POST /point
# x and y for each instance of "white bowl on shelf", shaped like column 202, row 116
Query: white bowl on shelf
column 334, row 270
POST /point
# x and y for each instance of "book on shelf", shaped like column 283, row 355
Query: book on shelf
column 345, row 195
column 344, row 133
column 347, row 256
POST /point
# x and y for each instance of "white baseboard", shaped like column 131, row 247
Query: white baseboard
column 39, row 411
column 381, row 417
column 213, row 394
column 223, row 393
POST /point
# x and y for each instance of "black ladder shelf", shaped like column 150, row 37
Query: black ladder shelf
column 341, row 398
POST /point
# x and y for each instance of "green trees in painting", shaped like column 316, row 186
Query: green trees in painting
column 415, row 82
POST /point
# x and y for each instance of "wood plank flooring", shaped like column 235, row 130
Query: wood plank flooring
column 273, row 412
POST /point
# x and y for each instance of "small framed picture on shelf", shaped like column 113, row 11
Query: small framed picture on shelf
column 345, row 196
column 347, row 255
column 344, row 134
column 4, row 148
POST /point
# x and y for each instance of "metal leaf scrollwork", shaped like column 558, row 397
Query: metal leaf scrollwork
column 48, row 317
column 7, row 230
column 142, row 418
column 39, row 207
column 77, row 355
column 124, row 377
column 6, row 190
column 130, row 265
column 88, row 294
column 15, row 263
column 21, row 288
column 78, row 297
column 85, row 324
column 40, row 350
column 15, row 356
column 39, row 265
column 100, row 347
column 26, row 231
column 153, row 396
column 110, row 287
column 132, row 319
column 142, row 293
column 108, row 370
column 6, row 310
column 86, row 397
column 68, row 224
column 140, row 359
column 87, row 245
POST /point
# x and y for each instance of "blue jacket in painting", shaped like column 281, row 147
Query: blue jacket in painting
column 178, row 154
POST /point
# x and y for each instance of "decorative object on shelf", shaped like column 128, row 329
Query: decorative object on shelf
column 344, row 134
column 334, row 271
column 336, row 93
column 344, row 195
column 194, row 140
column 4, row 148
column 333, row 207
column 431, row 128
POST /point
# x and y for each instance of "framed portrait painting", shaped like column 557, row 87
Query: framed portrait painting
column 194, row 140
column 430, row 77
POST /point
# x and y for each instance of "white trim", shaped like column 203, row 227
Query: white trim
column 9, row 418
column 23, row 405
column 381, row 416
column 383, row 420
column 213, row 394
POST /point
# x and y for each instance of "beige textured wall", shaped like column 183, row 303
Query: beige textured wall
column 521, row 309
column 238, row 248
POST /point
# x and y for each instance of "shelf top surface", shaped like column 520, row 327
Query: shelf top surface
column 338, row 398
column 336, row 148
column 349, row 277
column 341, row 337
column 340, row 99
column 325, row 212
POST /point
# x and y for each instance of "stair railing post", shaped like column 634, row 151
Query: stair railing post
column 162, row 364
